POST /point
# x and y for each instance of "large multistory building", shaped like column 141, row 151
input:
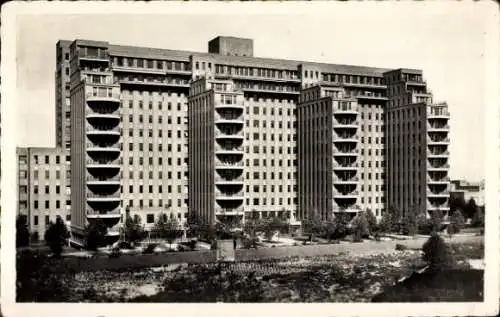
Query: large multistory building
column 262, row 137
column 42, row 193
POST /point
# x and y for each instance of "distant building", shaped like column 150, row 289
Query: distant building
column 42, row 188
column 468, row 190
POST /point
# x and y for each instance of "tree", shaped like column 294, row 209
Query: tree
column 360, row 226
column 22, row 232
column 437, row 253
column 457, row 222
column 133, row 230
column 470, row 208
column 96, row 234
column 478, row 219
column 410, row 224
column 372, row 221
column 313, row 226
column 193, row 223
column 457, row 203
column 437, row 220
column 56, row 236
column 167, row 228
column 389, row 221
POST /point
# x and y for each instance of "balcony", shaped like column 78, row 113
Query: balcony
column 415, row 82
column 236, row 180
column 235, row 120
column 438, row 127
column 437, row 112
column 438, row 141
column 103, row 163
column 346, row 138
column 340, row 166
column 348, row 124
column 100, row 148
column 156, row 83
column 277, row 90
column 103, row 97
column 260, row 78
column 443, row 194
column 102, row 179
column 371, row 96
column 352, row 194
column 345, row 152
column 97, row 197
column 229, row 211
column 442, row 207
column 440, row 181
column 365, row 85
column 234, row 134
column 137, row 70
column 345, row 108
column 351, row 180
column 229, row 150
column 97, row 56
column 110, row 130
column 229, row 106
column 442, row 167
column 431, row 153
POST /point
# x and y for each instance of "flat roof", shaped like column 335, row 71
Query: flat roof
column 245, row 61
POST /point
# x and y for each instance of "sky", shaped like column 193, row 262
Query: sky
column 447, row 43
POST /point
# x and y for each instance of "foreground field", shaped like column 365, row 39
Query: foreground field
column 342, row 277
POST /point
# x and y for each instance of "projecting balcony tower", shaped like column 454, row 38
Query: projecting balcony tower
column 438, row 158
column 345, row 156
column 229, row 165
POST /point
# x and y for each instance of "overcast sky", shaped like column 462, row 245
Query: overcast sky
column 447, row 43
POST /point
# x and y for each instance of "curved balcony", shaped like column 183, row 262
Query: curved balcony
column 437, row 113
column 344, row 107
column 100, row 98
column 438, row 127
column 345, row 138
column 110, row 218
column 345, row 124
column 347, row 194
column 345, row 180
column 438, row 141
column 435, row 153
column 232, row 106
column 349, row 167
column 92, row 163
column 229, row 181
column 438, row 180
column 238, row 150
column 352, row 151
column 441, row 194
column 438, row 167
column 229, row 211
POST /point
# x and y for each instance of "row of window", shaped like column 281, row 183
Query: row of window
column 47, row 220
column 47, row 159
column 257, row 201
column 46, row 174
column 256, row 124
column 140, row 146
column 140, row 175
column 160, row 161
column 158, row 118
column 151, row 203
column 256, row 110
column 140, row 104
column 140, row 133
column 150, row 63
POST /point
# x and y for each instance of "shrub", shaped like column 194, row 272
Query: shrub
column 478, row 218
column 115, row 253
column 22, row 232
column 150, row 248
column 437, row 253
column 457, row 222
column 372, row 221
column 57, row 236
column 96, row 234
column 401, row 247
column 360, row 227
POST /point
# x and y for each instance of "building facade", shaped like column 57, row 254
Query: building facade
column 42, row 188
column 313, row 138
column 468, row 190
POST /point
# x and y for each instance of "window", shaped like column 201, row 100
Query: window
column 35, row 220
